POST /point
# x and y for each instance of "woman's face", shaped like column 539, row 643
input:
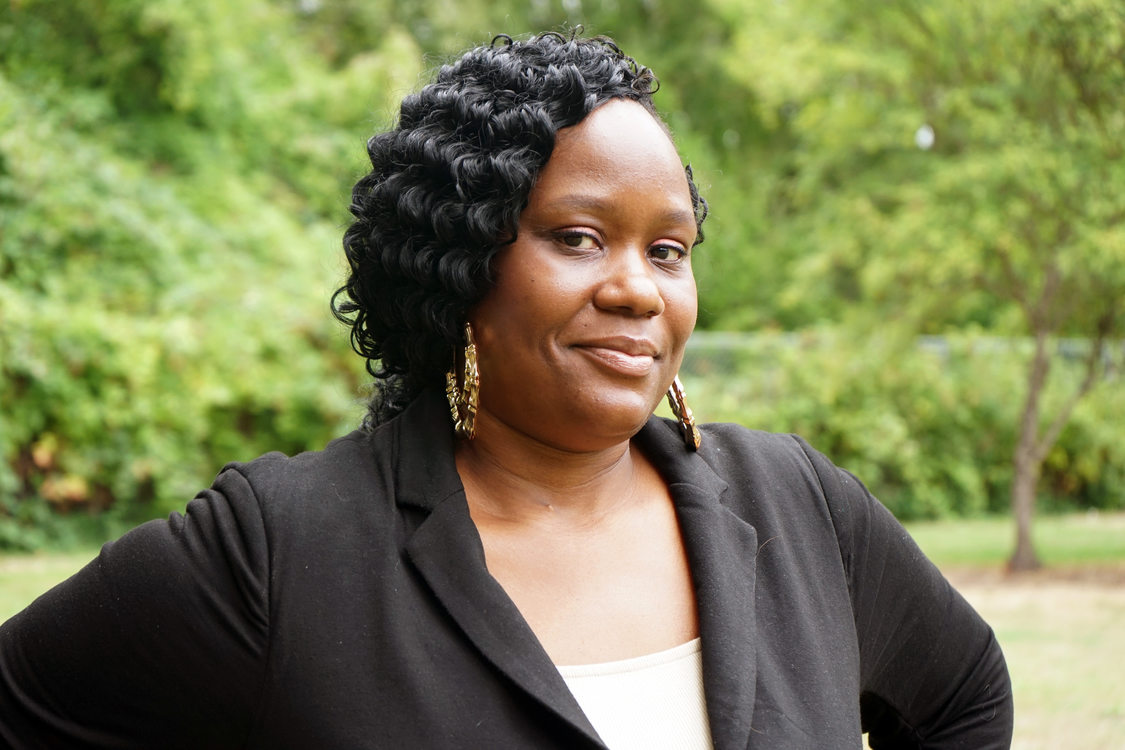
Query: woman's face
column 593, row 303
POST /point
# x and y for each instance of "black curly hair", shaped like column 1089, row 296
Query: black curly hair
column 445, row 191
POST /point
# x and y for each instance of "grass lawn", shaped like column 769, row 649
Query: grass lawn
column 1062, row 629
column 1065, row 645
column 1069, row 540
column 24, row 577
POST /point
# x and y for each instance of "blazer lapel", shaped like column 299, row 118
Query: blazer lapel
column 721, row 547
column 722, row 552
column 446, row 549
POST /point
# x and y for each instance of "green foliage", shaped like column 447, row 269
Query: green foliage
column 174, row 180
column 168, row 241
column 929, row 428
column 1009, row 215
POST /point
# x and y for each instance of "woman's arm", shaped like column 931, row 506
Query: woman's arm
column 932, row 673
column 160, row 641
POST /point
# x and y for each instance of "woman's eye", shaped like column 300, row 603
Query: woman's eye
column 668, row 252
column 578, row 241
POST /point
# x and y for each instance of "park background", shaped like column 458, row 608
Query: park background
column 915, row 258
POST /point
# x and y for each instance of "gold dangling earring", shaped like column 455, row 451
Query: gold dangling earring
column 683, row 413
column 464, row 397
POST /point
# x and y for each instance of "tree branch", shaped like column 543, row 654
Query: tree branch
column 1015, row 289
column 1093, row 362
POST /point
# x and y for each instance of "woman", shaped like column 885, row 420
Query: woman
column 533, row 560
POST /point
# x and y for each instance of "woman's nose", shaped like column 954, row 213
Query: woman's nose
column 629, row 284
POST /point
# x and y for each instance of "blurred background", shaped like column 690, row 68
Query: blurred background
column 915, row 259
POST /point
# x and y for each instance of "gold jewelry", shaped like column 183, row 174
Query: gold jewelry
column 683, row 413
column 464, row 397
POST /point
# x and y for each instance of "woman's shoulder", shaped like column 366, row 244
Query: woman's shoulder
column 734, row 434
column 771, row 478
column 732, row 451
column 275, row 468
column 734, row 448
column 317, row 486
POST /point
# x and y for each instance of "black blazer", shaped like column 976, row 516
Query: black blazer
column 340, row 599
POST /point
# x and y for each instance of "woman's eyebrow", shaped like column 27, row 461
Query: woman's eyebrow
column 596, row 204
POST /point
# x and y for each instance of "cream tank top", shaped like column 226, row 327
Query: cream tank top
column 650, row 701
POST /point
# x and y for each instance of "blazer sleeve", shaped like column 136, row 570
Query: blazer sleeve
column 932, row 673
column 160, row 641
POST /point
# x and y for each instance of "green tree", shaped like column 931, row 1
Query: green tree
column 172, row 182
column 956, row 165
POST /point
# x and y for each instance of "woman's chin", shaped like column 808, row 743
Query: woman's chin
column 605, row 423
column 578, row 424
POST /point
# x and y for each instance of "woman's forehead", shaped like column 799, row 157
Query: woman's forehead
column 618, row 146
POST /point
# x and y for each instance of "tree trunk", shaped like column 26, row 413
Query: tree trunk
column 1023, row 507
column 1031, row 450
column 1028, row 461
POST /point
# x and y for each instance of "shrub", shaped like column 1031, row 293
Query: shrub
column 930, row 429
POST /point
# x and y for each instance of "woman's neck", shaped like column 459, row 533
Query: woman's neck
column 514, row 478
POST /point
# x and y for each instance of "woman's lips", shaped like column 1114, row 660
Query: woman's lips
column 631, row 360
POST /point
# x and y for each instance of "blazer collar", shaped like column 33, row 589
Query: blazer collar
column 721, row 548
column 447, row 551
column 722, row 552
